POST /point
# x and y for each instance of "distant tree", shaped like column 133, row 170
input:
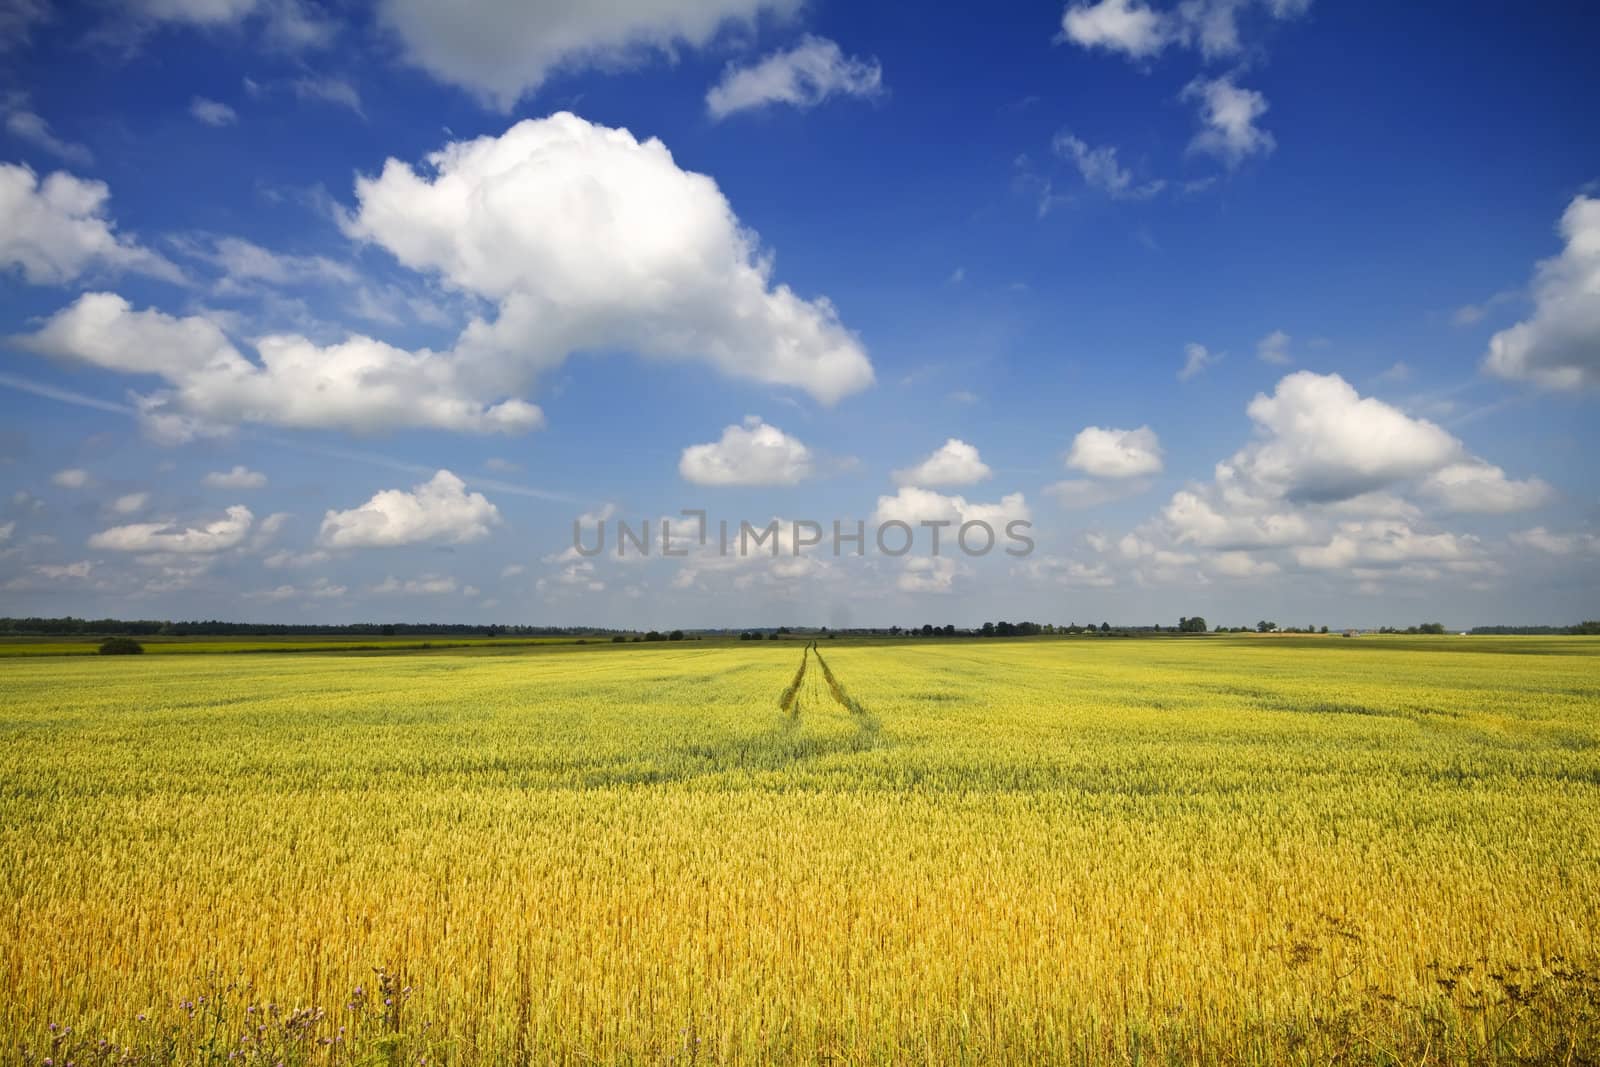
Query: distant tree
column 1265, row 627
column 1587, row 626
column 676, row 635
column 619, row 639
column 388, row 630
column 1195, row 625
column 653, row 635
column 1105, row 627
column 950, row 629
column 927, row 629
column 988, row 629
column 1324, row 629
column 1431, row 628
column 120, row 646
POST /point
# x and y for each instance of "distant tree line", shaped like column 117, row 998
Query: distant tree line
column 1588, row 626
column 72, row 627
column 652, row 635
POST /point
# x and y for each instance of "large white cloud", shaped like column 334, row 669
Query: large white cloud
column 583, row 237
column 1323, row 441
column 173, row 539
column 803, row 76
column 361, row 384
column 439, row 510
column 501, row 50
column 953, row 463
column 1109, row 453
column 1559, row 346
column 1337, row 481
column 752, row 454
column 57, row 229
column 587, row 238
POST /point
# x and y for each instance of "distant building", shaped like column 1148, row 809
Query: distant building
column 1352, row 633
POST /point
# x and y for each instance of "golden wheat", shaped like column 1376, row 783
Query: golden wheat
column 1213, row 850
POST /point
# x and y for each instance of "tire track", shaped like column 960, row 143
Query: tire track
column 868, row 721
column 790, row 700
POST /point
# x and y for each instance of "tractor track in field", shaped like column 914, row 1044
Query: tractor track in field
column 790, row 700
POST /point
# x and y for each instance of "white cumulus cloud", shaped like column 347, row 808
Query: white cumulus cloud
column 1384, row 542
column 560, row 223
column 360, row 384
column 1323, row 441
column 953, row 463
column 1477, row 486
column 439, row 510
column 913, row 505
column 1108, row 453
column 174, row 539
column 752, row 454
column 57, row 229
column 1559, row 346
column 1127, row 26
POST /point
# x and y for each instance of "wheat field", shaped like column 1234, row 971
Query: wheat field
column 1215, row 850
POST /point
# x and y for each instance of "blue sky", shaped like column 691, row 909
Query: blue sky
column 1252, row 308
